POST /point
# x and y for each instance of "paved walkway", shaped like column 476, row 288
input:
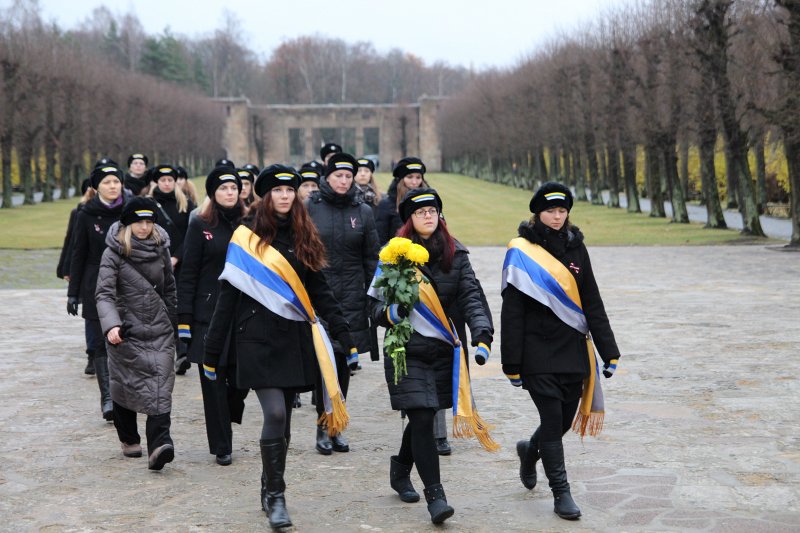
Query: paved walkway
column 701, row 433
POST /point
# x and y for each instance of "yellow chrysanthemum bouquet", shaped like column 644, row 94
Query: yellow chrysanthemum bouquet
column 400, row 284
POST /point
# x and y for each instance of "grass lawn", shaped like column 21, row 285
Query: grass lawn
column 478, row 213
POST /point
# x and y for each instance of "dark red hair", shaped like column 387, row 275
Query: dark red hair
column 308, row 247
column 440, row 244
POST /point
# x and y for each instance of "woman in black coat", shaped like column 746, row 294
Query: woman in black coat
column 347, row 230
column 409, row 173
column 204, row 252
column 428, row 385
column 88, row 244
column 541, row 352
column 174, row 209
column 274, row 355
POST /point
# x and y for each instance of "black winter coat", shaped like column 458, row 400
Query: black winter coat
column 88, row 244
column 387, row 219
column 174, row 222
column 62, row 269
column 204, row 251
column 347, row 229
column 429, row 382
column 269, row 350
column 533, row 338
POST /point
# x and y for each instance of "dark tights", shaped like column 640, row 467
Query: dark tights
column 555, row 416
column 276, row 405
column 418, row 446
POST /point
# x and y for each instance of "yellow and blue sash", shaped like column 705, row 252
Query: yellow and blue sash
column 428, row 318
column 536, row 273
column 268, row 278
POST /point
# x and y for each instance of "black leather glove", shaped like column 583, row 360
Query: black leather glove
column 72, row 305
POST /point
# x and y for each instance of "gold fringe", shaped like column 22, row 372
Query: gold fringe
column 337, row 421
column 475, row 426
column 592, row 424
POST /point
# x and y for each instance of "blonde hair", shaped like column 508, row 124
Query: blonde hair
column 402, row 190
column 88, row 195
column 189, row 190
column 125, row 236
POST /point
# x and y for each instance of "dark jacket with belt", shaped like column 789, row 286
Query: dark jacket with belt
column 430, row 361
column 269, row 350
column 204, row 251
column 88, row 243
column 533, row 338
column 347, row 229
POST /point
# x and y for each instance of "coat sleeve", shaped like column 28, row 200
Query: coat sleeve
column 187, row 216
column 221, row 322
column 106, row 291
column 80, row 249
column 371, row 245
column 66, row 250
column 382, row 221
column 193, row 248
column 512, row 326
column 596, row 316
column 469, row 300
column 170, row 290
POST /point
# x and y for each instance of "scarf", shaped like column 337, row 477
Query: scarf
column 268, row 278
column 429, row 320
column 535, row 272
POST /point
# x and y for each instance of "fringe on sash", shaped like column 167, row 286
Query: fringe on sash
column 337, row 420
column 591, row 424
column 475, row 426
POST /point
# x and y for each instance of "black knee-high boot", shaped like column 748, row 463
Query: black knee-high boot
column 552, row 454
column 273, row 459
column 528, row 452
column 101, row 371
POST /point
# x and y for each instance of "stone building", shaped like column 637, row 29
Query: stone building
column 293, row 134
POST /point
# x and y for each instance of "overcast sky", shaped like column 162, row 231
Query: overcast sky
column 469, row 33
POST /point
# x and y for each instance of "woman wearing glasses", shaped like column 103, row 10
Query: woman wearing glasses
column 427, row 387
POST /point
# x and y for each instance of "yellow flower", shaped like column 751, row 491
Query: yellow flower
column 417, row 254
column 400, row 246
column 387, row 255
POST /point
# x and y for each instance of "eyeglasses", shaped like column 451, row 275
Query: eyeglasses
column 422, row 213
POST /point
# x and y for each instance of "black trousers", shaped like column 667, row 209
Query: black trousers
column 156, row 428
column 556, row 397
column 223, row 403
column 94, row 335
column 342, row 373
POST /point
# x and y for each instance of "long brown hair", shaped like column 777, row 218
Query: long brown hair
column 208, row 211
column 308, row 247
column 440, row 243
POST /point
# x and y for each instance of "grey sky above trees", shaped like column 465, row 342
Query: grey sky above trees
column 469, row 34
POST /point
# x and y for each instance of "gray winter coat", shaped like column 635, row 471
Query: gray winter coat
column 141, row 368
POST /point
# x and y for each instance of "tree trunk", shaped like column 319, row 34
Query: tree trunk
column 674, row 188
column 613, row 175
column 5, row 150
column 25, row 173
column 653, row 182
column 555, row 166
column 597, row 198
column 761, row 172
column 629, row 169
column 731, row 179
column 684, row 166
column 580, row 176
column 793, row 159
column 540, row 159
column 708, row 180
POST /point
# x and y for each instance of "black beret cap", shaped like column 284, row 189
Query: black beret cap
column 275, row 176
column 163, row 170
column 180, row 172
column 368, row 163
column 221, row 175
column 417, row 198
column 549, row 195
column 139, row 208
column 310, row 171
column 104, row 162
column 246, row 174
column 99, row 173
column 252, row 168
column 341, row 162
column 408, row 165
column 225, row 163
column 329, row 148
column 137, row 156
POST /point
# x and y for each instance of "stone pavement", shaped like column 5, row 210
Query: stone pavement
column 701, row 431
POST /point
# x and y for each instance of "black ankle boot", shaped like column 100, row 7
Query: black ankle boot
column 89, row 370
column 552, row 454
column 528, row 452
column 273, row 500
column 400, row 481
column 101, row 372
column 324, row 444
column 437, row 504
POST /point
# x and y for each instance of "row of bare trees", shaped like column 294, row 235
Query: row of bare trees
column 60, row 111
column 658, row 77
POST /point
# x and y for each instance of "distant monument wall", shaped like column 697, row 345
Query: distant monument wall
column 293, row 134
